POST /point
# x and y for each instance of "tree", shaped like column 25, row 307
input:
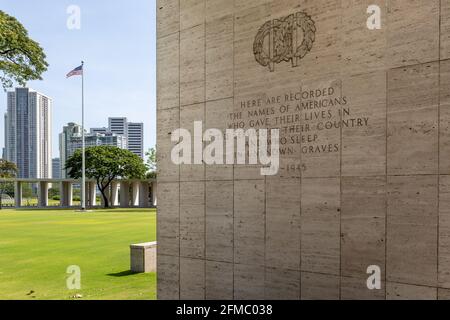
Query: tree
column 21, row 58
column 151, row 163
column 8, row 170
column 105, row 164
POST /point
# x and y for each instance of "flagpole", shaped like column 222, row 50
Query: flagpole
column 83, row 145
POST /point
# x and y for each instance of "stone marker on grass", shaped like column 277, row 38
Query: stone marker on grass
column 143, row 257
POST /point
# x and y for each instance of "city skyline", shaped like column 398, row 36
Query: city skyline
column 70, row 140
column 119, row 133
column 115, row 85
column 28, row 135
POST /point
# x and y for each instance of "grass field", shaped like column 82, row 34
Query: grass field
column 36, row 247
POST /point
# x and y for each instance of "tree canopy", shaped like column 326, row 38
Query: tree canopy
column 105, row 164
column 151, row 163
column 21, row 58
column 8, row 170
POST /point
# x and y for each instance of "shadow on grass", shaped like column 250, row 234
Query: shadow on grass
column 122, row 274
column 125, row 210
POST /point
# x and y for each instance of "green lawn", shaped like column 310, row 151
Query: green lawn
column 36, row 247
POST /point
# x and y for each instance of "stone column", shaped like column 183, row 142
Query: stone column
column 17, row 194
column 62, row 198
column 43, row 194
column 154, row 193
column 144, row 201
column 91, row 194
column 135, row 194
column 66, row 194
column 114, row 194
column 124, row 194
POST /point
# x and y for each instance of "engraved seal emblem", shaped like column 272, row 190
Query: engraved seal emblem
column 278, row 40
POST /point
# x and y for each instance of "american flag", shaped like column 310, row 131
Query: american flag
column 78, row 71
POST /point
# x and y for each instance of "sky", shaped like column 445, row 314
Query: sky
column 117, row 42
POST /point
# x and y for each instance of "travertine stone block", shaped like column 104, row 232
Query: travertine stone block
column 364, row 147
column 282, row 284
column 397, row 291
column 192, row 219
column 249, row 222
column 283, row 224
column 219, row 281
column 189, row 115
column 327, row 48
column 320, row 225
column 249, row 83
column 143, row 257
column 219, row 58
column 444, row 232
column 168, row 121
column 412, row 217
column 413, row 100
column 444, row 113
column 356, row 289
column 363, row 50
column 168, row 222
column 445, row 30
column 247, row 172
column 282, row 107
column 192, row 65
column 240, row 6
column 443, row 294
column 315, row 286
column 282, row 8
column 168, row 71
column 217, row 115
column 412, row 32
column 216, row 9
column 192, row 13
column 363, row 242
column 321, row 157
column 192, row 279
column 168, row 277
column 168, row 17
column 248, row 282
column 219, row 221
column 249, row 76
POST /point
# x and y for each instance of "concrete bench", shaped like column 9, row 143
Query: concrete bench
column 143, row 257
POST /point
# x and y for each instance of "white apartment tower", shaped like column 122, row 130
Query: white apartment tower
column 118, row 126
column 28, row 134
column 136, row 138
column 134, row 133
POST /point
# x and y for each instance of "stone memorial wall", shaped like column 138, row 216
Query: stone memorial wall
column 363, row 186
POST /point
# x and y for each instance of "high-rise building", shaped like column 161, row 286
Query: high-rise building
column 103, row 130
column 134, row 132
column 136, row 138
column 28, row 133
column 70, row 140
column 56, row 168
column 5, row 136
column 118, row 126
